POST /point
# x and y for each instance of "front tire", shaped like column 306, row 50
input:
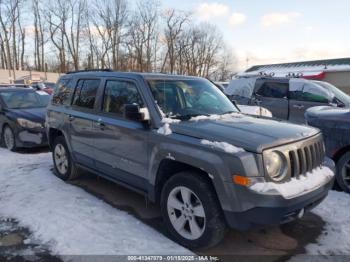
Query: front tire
column 343, row 172
column 65, row 167
column 191, row 211
column 9, row 139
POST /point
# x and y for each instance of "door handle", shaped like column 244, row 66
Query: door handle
column 298, row 106
column 71, row 118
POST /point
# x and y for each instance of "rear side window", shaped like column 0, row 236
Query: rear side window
column 85, row 93
column 63, row 92
column 119, row 93
column 273, row 90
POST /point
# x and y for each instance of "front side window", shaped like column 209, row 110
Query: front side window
column 85, row 93
column 24, row 99
column 273, row 90
column 63, row 92
column 184, row 99
column 119, row 93
column 337, row 93
column 310, row 93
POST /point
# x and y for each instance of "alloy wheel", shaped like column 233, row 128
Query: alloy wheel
column 186, row 213
column 9, row 138
column 61, row 159
column 345, row 172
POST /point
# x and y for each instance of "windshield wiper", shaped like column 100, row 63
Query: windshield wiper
column 187, row 117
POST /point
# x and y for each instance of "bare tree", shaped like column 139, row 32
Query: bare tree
column 70, row 34
column 39, row 36
column 175, row 21
column 143, row 33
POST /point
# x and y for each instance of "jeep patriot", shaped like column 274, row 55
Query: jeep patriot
column 182, row 143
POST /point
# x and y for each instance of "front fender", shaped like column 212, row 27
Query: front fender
column 209, row 161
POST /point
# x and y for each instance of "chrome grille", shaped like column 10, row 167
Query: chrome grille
column 306, row 158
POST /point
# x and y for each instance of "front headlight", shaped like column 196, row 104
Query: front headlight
column 276, row 165
column 28, row 124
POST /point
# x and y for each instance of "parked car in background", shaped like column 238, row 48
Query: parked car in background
column 286, row 98
column 22, row 117
column 44, row 86
column 182, row 143
column 335, row 126
column 222, row 85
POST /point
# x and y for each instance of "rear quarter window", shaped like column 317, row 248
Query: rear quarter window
column 63, row 92
column 85, row 93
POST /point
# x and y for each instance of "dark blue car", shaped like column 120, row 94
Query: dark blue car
column 22, row 118
column 335, row 126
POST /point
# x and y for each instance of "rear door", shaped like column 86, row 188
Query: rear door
column 121, row 144
column 272, row 95
column 302, row 99
column 81, row 119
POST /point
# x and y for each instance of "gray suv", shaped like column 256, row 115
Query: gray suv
column 181, row 142
column 286, row 98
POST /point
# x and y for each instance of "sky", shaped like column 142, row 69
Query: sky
column 276, row 31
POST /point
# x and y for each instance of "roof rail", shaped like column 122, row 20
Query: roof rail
column 90, row 70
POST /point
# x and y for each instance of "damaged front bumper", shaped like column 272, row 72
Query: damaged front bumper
column 29, row 138
column 273, row 208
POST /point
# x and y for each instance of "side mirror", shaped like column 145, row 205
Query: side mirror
column 135, row 113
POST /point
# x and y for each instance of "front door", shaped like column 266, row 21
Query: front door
column 307, row 96
column 121, row 144
column 273, row 96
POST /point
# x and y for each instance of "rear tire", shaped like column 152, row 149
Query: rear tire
column 191, row 211
column 9, row 139
column 343, row 172
column 65, row 167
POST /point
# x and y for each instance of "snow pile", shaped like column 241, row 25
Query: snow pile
column 335, row 240
column 165, row 129
column 255, row 110
column 67, row 219
column 296, row 187
column 226, row 147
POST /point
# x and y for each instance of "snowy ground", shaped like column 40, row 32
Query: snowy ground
column 68, row 220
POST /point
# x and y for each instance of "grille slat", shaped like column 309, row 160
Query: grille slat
column 306, row 159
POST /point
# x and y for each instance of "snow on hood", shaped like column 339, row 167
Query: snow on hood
column 226, row 147
column 296, row 187
column 250, row 133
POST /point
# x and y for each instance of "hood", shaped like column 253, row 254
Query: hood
column 250, row 133
column 327, row 116
column 32, row 114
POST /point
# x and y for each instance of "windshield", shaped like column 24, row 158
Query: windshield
column 24, row 99
column 184, row 99
column 340, row 95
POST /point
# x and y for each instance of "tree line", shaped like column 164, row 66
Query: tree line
column 66, row 35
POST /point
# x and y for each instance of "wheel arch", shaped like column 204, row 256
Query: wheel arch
column 340, row 152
